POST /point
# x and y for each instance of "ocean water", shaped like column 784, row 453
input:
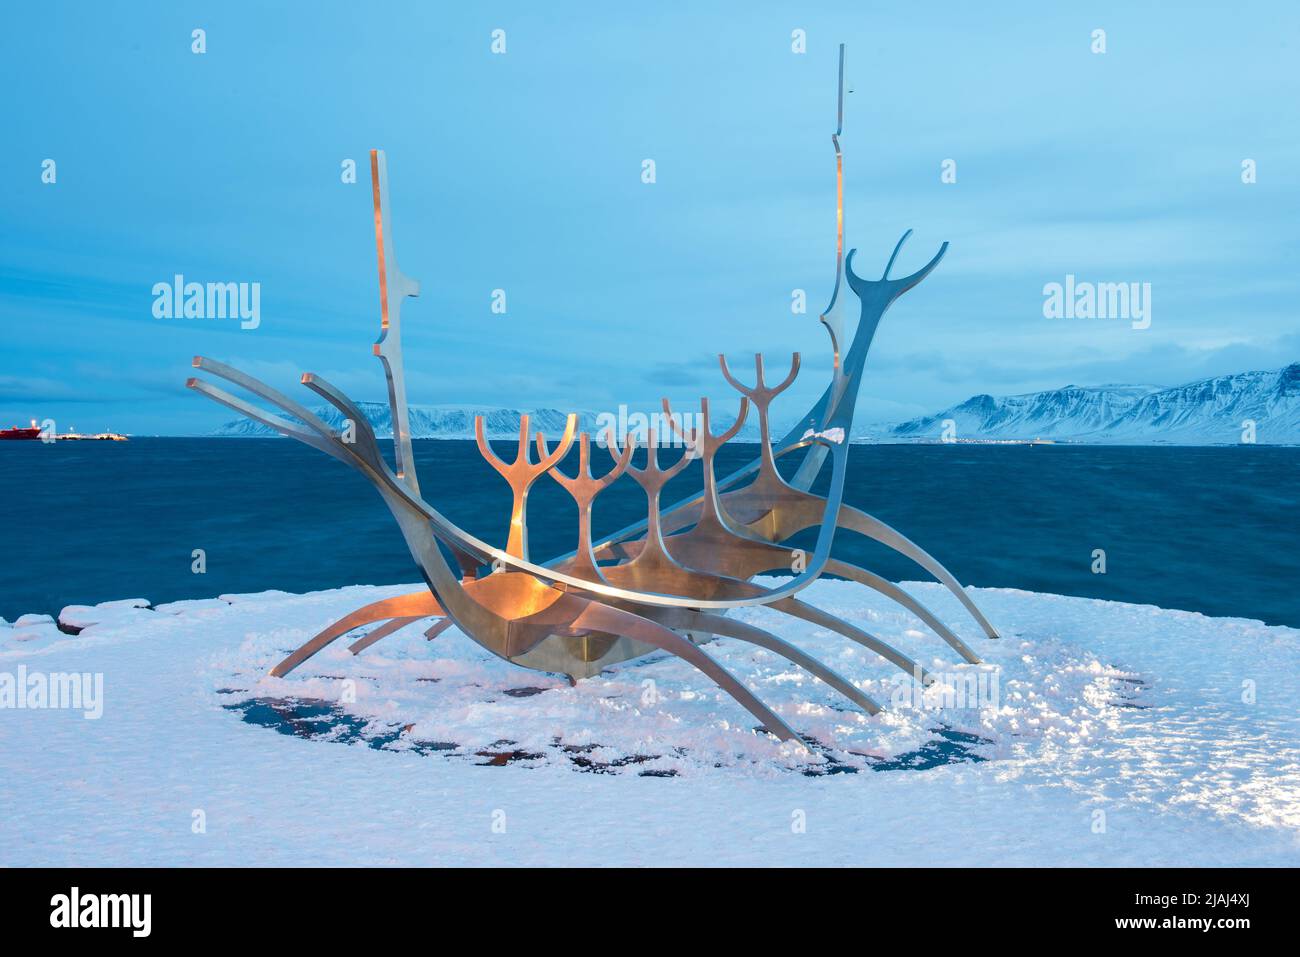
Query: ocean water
column 1215, row 530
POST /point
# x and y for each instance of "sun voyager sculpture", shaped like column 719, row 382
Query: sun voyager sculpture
column 664, row 584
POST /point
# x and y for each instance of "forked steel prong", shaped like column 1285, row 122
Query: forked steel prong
column 522, row 473
column 584, row 488
column 652, row 478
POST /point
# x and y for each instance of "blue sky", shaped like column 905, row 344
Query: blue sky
column 523, row 172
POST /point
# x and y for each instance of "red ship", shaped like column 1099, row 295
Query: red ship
column 17, row 433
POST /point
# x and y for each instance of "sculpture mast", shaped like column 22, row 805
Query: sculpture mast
column 839, row 199
column 394, row 286
column 832, row 317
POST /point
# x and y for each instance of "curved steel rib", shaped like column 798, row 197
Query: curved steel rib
column 599, row 617
column 675, row 618
column 859, row 521
column 490, row 611
column 411, row 607
column 887, row 588
column 698, row 623
column 383, row 631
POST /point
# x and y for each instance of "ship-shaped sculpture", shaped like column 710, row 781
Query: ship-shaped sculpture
column 666, row 583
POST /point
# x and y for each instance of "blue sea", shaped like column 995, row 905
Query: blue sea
column 1214, row 530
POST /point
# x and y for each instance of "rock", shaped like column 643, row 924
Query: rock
column 122, row 604
column 75, row 618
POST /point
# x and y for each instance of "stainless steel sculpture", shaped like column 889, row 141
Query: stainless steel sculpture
column 663, row 584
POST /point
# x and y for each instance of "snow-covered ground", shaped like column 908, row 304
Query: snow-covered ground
column 1109, row 734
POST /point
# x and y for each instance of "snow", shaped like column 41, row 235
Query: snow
column 1180, row 729
column 77, row 617
column 24, row 621
column 27, row 628
column 37, row 631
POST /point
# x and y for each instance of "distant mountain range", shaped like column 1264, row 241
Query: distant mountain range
column 432, row 421
column 1206, row 412
column 457, row 422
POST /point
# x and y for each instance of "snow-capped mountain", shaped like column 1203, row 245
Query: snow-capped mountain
column 1214, row 410
column 1068, row 411
column 1207, row 412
